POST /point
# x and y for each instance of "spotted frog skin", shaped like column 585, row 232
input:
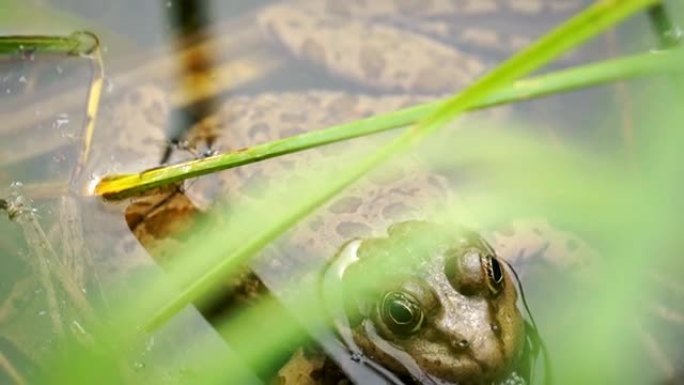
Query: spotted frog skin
column 417, row 46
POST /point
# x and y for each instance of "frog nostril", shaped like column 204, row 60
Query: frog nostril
column 460, row 344
column 496, row 328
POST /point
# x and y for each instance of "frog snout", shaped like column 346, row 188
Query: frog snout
column 474, row 342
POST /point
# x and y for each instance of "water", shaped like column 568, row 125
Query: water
column 43, row 102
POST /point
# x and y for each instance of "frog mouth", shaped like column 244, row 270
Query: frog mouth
column 456, row 369
column 431, row 367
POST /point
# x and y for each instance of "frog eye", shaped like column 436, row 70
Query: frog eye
column 495, row 278
column 402, row 313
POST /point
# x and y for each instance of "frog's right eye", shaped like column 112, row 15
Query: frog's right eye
column 494, row 274
column 401, row 312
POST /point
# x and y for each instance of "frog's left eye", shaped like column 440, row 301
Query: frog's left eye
column 402, row 313
column 494, row 272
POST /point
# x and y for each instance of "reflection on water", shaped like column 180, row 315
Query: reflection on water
column 184, row 78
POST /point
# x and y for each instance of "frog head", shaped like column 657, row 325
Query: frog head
column 433, row 302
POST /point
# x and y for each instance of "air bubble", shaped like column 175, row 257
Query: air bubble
column 60, row 123
column 109, row 85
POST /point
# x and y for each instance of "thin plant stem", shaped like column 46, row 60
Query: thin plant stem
column 92, row 106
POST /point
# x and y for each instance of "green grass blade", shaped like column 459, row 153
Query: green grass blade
column 78, row 43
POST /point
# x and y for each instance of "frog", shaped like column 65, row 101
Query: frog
column 391, row 199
